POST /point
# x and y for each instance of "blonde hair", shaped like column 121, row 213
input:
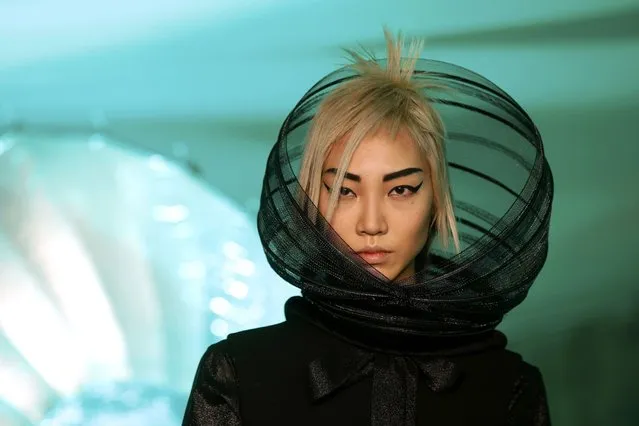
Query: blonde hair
column 378, row 98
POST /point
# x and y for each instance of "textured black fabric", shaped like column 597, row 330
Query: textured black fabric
column 301, row 373
column 214, row 399
column 502, row 188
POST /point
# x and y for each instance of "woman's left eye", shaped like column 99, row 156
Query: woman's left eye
column 405, row 190
column 402, row 190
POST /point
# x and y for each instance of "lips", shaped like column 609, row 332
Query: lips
column 374, row 256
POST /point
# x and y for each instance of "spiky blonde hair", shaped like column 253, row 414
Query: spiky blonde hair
column 381, row 97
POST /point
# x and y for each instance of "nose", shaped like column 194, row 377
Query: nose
column 372, row 220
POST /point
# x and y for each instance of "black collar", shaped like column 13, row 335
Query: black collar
column 396, row 362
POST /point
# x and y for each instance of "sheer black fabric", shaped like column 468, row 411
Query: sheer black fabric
column 502, row 188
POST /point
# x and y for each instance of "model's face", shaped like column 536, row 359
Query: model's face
column 385, row 202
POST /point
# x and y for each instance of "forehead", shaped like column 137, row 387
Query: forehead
column 379, row 152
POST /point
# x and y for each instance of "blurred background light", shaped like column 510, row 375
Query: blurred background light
column 117, row 267
column 121, row 404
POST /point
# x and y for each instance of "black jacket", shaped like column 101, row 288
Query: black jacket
column 311, row 370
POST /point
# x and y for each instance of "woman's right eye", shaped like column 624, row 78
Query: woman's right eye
column 343, row 191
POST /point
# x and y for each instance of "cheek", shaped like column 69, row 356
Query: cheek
column 343, row 224
column 414, row 226
column 322, row 204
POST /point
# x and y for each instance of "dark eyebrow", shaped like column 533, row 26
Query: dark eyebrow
column 401, row 173
column 349, row 176
column 388, row 177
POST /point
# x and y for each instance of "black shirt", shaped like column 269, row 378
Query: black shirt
column 312, row 370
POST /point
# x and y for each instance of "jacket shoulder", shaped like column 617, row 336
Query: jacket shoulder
column 273, row 343
column 521, row 383
column 214, row 396
column 529, row 402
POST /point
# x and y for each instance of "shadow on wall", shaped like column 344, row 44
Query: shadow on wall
column 580, row 324
column 591, row 373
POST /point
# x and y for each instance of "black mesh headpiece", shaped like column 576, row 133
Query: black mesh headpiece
column 502, row 188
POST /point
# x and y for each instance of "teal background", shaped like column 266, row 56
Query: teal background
column 207, row 85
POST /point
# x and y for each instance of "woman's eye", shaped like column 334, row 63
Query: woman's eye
column 343, row 191
column 405, row 190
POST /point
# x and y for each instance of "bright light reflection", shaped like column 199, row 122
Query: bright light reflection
column 233, row 250
column 237, row 289
column 173, row 214
column 193, row 270
column 245, row 316
column 220, row 328
column 63, row 262
column 36, row 329
column 242, row 267
column 20, row 390
column 220, row 306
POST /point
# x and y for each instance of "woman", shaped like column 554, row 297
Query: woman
column 402, row 288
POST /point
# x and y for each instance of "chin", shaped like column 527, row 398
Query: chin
column 407, row 271
column 395, row 273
